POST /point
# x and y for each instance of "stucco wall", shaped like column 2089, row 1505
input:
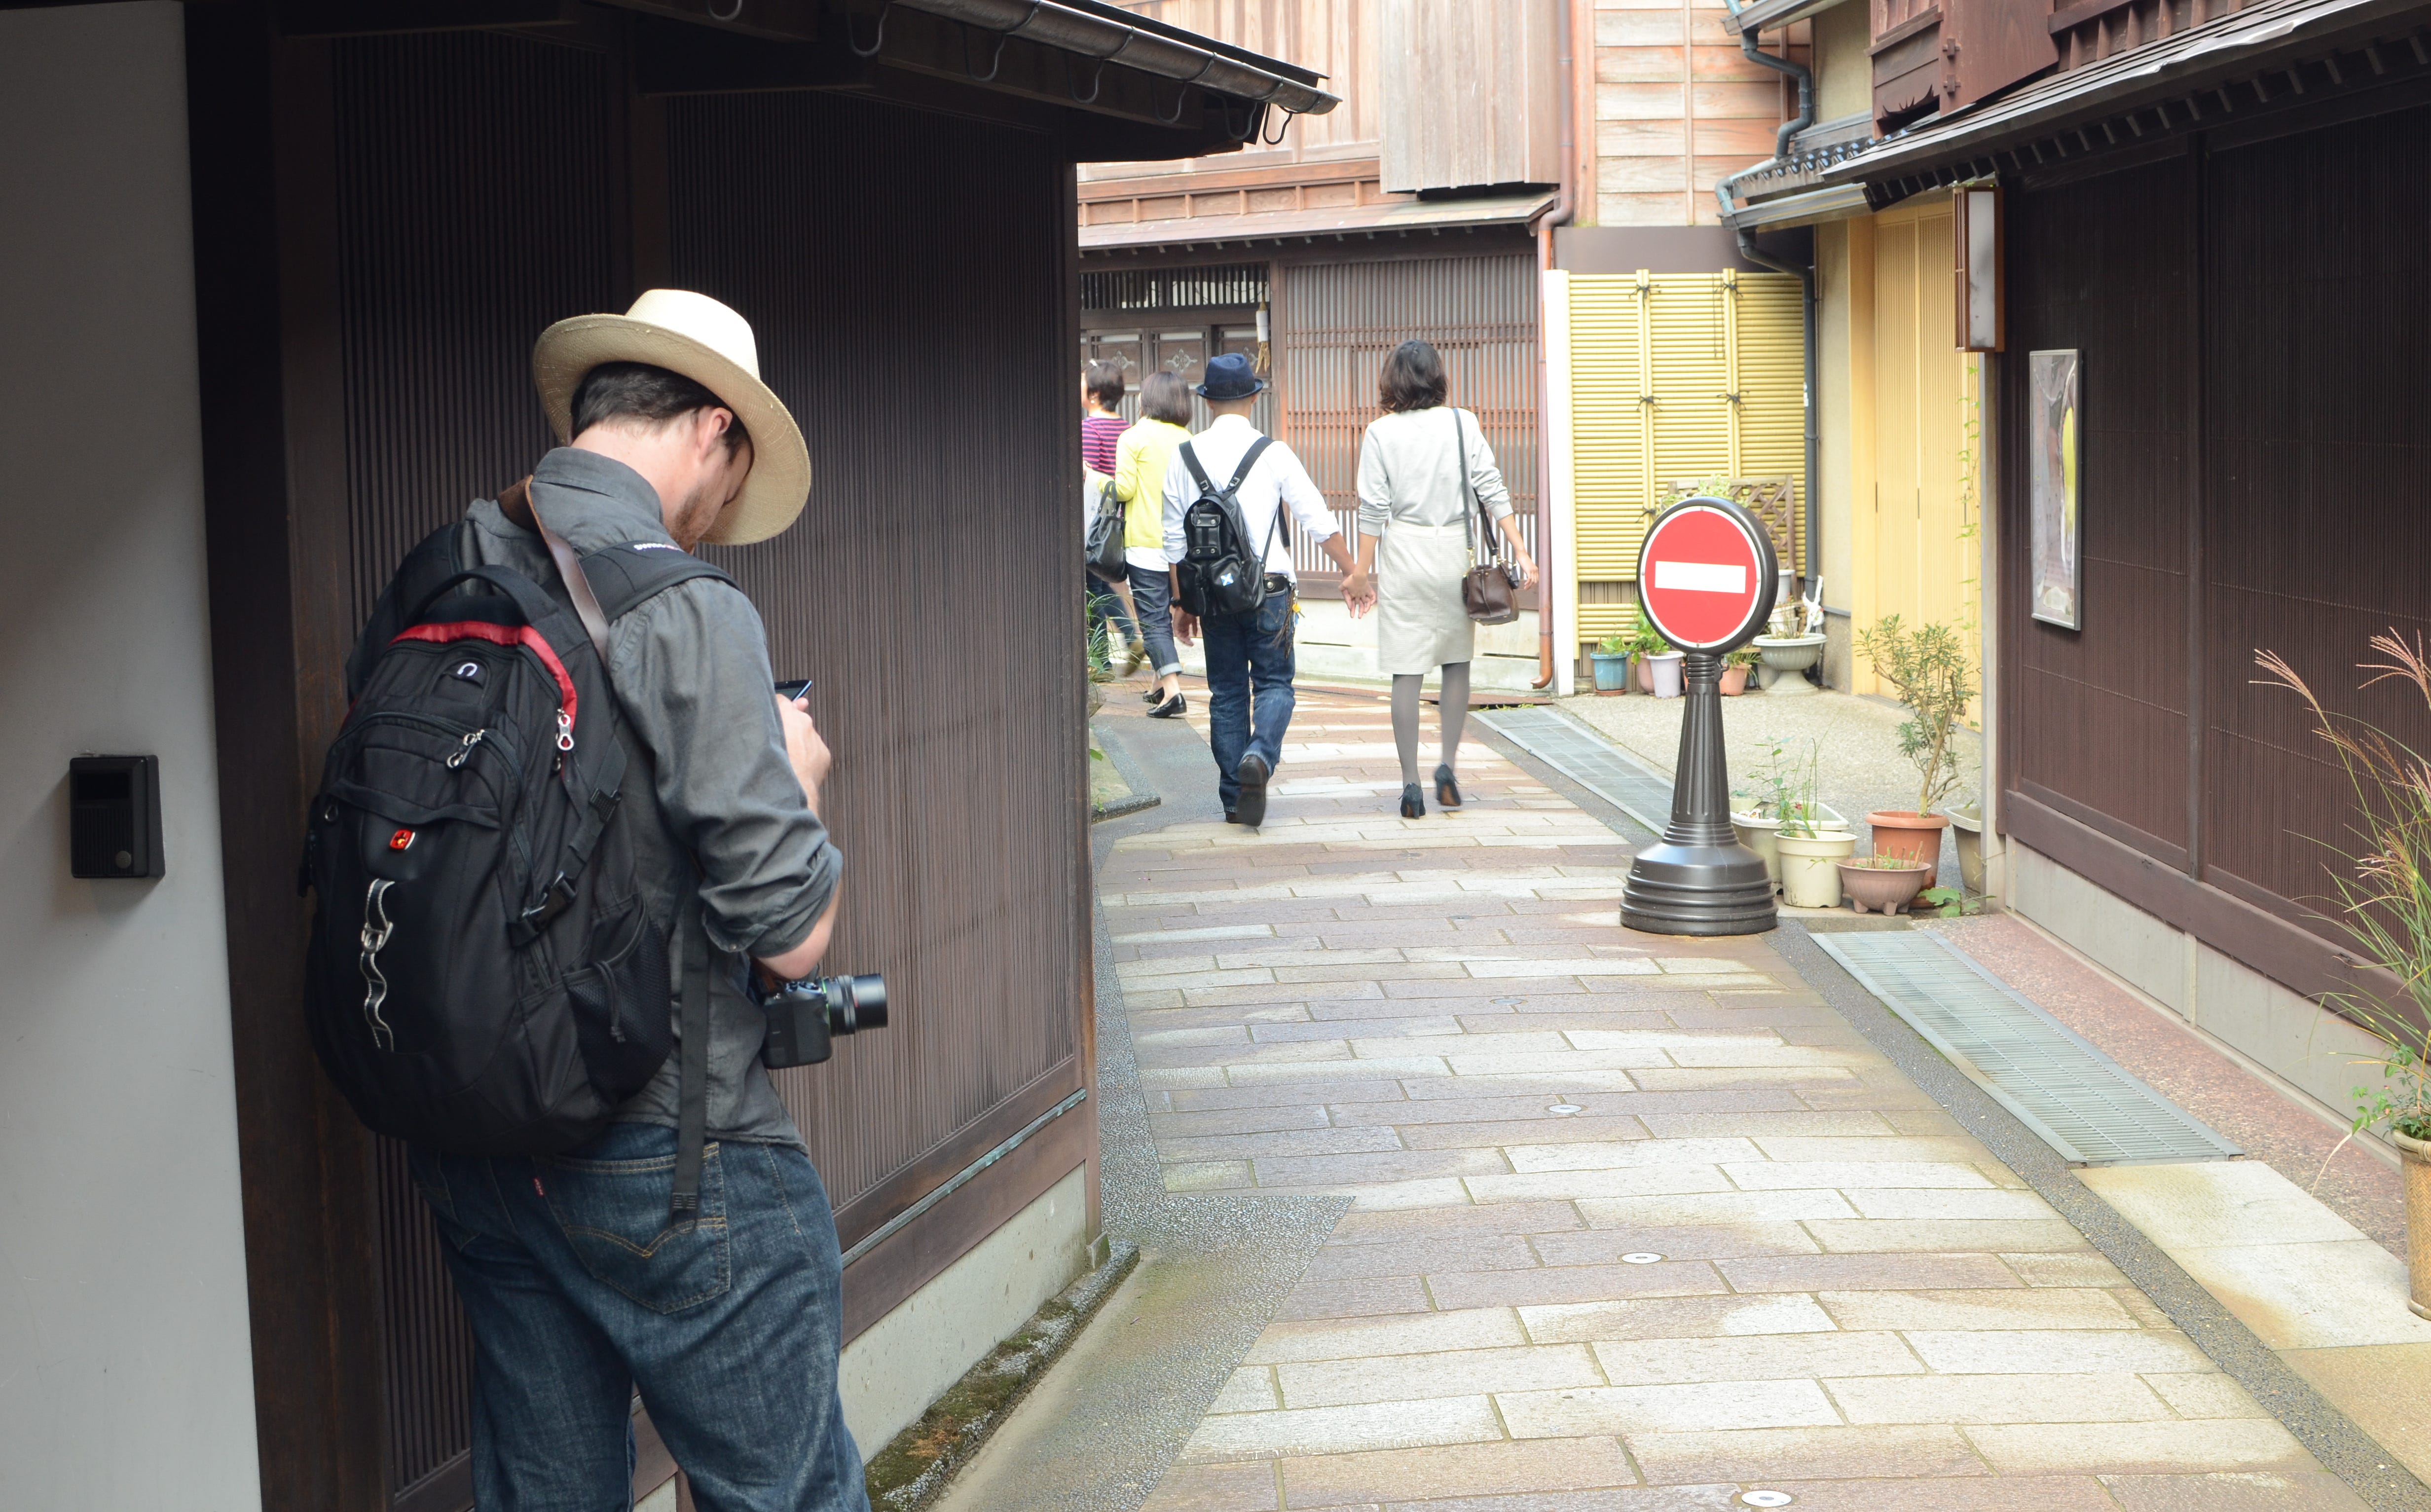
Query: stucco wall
column 126, row 1376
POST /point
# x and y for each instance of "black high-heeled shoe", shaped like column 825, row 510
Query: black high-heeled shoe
column 1414, row 803
column 1447, row 790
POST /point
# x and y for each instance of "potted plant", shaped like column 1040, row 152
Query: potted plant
column 1885, row 884
column 1767, row 793
column 1736, row 667
column 1789, row 650
column 1966, row 834
column 1809, row 846
column 1658, row 662
column 1611, row 658
column 1928, row 666
column 2383, row 904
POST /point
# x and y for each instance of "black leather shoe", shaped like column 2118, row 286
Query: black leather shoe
column 1414, row 803
column 1251, row 805
column 1447, row 790
column 1152, row 694
column 1173, row 708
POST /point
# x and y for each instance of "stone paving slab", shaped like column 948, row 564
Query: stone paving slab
column 1554, row 1291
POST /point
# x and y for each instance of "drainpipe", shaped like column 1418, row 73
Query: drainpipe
column 1723, row 192
column 1565, row 207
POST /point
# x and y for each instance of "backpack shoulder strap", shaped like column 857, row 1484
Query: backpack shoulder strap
column 628, row 575
column 1248, row 459
column 1190, row 459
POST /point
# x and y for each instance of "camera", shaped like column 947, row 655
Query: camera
column 804, row 1016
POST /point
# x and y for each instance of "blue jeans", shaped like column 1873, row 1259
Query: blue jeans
column 1152, row 594
column 1249, row 689
column 580, row 1289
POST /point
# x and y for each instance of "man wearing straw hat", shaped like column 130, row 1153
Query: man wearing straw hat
column 580, row 1286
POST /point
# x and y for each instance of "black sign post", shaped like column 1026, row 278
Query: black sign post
column 1707, row 578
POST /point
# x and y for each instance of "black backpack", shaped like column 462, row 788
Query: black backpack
column 1217, row 578
column 485, row 976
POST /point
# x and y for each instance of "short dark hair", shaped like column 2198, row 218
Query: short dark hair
column 1413, row 379
column 1103, row 378
column 653, row 395
column 1165, row 396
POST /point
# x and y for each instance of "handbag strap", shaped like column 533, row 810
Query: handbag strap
column 1460, row 448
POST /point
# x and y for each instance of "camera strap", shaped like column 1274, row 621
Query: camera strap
column 692, row 1097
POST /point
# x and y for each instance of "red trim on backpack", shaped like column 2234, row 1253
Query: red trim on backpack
column 481, row 629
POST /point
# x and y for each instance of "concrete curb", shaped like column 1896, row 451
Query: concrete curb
column 914, row 1468
column 2343, row 1449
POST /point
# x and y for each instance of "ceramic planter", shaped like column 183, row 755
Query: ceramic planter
column 1810, row 873
column 1966, row 834
column 1786, row 660
column 1734, row 682
column 1611, row 671
column 2417, row 1164
column 1916, row 837
column 1883, row 889
column 1756, row 832
column 1643, row 668
column 1665, row 673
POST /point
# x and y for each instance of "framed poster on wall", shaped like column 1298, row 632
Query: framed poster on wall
column 2058, row 587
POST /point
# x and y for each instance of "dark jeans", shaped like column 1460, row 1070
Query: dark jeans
column 1249, row 688
column 1152, row 595
column 580, row 1289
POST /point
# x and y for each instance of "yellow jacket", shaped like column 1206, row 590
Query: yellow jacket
column 1141, row 456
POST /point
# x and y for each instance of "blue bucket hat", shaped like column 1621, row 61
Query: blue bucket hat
column 1232, row 376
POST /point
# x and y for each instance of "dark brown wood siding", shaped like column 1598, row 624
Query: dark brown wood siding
column 2102, row 267
column 909, row 277
column 2256, row 475
column 906, row 278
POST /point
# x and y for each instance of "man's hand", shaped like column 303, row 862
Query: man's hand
column 1359, row 593
column 1185, row 626
column 804, row 750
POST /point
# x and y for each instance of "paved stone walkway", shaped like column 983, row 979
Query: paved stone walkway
column 1640, row 1222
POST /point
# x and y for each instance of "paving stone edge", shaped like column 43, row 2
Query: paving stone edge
column 2343, row 1447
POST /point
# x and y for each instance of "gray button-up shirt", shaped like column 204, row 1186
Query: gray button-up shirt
column 721, row 812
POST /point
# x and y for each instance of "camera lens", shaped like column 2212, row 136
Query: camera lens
column 864, row 1004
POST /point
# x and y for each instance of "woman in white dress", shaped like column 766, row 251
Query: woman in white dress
column 1426, row 475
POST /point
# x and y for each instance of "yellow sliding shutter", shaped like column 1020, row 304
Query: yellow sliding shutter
column 1673, row 377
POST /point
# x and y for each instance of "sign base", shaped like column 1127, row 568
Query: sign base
column 1698, row 889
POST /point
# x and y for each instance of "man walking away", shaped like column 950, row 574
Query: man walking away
column 582, row 1281
column 1250, row 656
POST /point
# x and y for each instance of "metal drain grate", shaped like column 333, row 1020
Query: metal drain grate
column 1587, row 759
column 2082, row 1103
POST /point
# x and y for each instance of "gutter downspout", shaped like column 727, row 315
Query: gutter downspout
column 1805, row 275
column 1565, row 207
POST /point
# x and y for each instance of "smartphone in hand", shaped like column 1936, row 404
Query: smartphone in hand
column 795, row 689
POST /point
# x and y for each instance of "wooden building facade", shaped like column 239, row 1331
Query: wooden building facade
column 2213, row 210
column 390, row 202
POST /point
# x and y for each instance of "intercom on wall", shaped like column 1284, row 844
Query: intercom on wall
column 114, row 816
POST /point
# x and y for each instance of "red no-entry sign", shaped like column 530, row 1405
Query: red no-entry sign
column 1706, row 574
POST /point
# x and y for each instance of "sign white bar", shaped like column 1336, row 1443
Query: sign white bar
column 1701, row 577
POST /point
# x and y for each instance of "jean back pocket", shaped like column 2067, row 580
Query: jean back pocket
column 615, row 1215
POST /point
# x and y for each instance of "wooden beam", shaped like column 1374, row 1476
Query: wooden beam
column 670, row 57
column 376, row 18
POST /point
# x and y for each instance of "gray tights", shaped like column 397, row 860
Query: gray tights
column 1454, row 713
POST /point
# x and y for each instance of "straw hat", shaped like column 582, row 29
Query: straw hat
column 694, row 335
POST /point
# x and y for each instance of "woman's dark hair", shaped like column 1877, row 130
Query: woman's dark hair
column 1103, row 378
column 637, row 391
column 1165, row 396
column 1413, row 379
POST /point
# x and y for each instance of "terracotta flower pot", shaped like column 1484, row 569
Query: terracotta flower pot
column 1734, row 682
column 1883, row 889
column 2417, row 1155
column 1916, row 837
column 1645, row 670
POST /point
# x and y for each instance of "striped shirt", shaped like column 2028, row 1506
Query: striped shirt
column 1099, row 434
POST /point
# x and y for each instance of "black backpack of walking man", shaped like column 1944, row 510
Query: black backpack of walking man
column 1221, row 576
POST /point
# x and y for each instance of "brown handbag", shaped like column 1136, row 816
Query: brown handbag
column 1490, row 591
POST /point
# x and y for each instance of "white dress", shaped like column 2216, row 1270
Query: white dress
column 1411, row 491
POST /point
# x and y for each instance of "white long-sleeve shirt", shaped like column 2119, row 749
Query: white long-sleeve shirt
column 1277, row 479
